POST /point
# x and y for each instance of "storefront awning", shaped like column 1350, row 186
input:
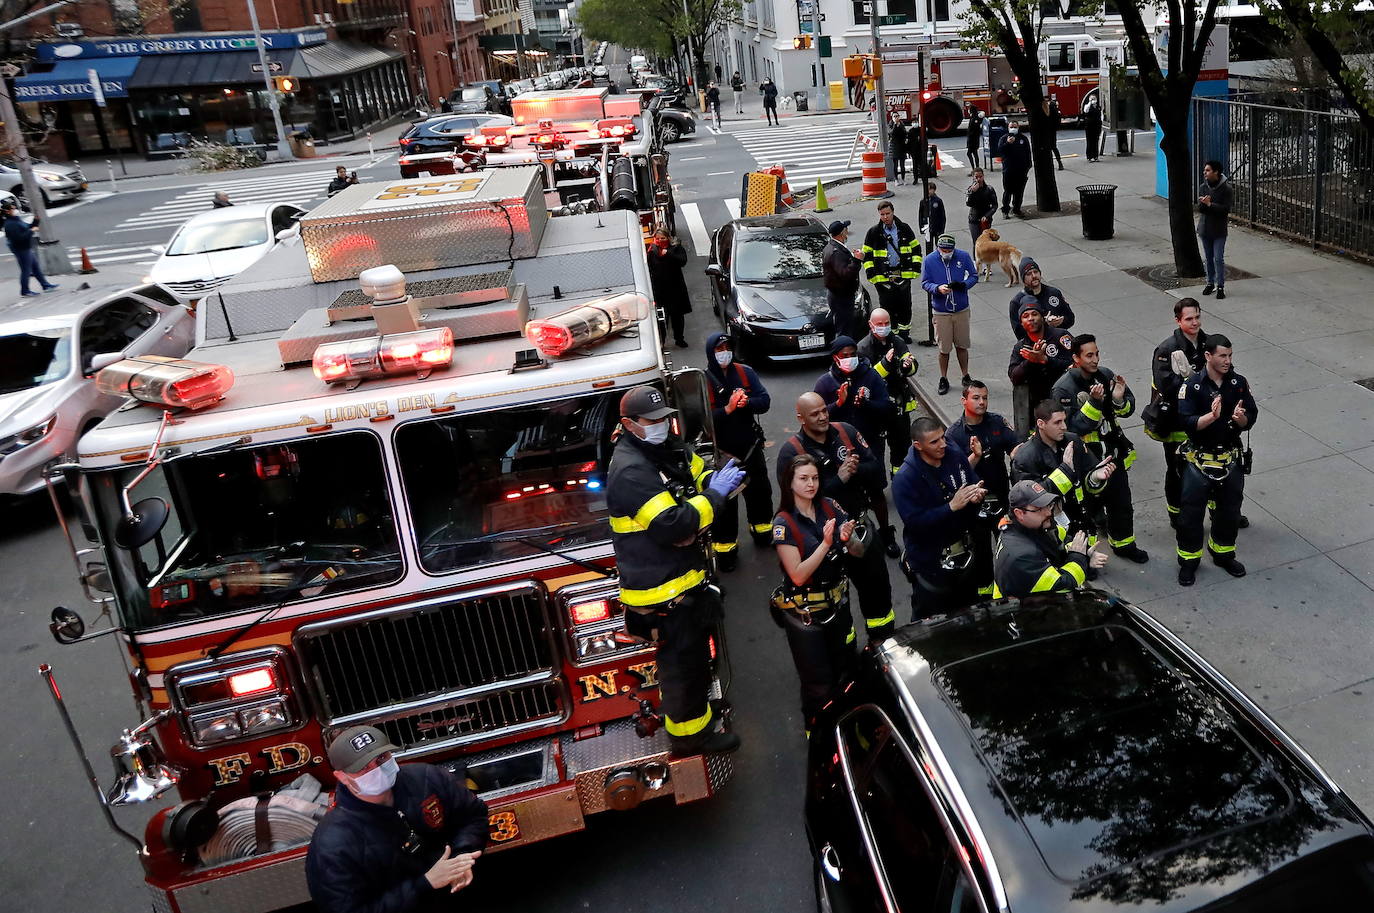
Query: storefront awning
column 223, row 69
column 70, row 80
column 335, row 58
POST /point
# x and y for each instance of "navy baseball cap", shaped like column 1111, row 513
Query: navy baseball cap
column 837, row 226
column 1029, row 493
column 645, row 402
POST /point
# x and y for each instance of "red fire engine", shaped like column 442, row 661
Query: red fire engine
column 374, row 494
column 1073, row 67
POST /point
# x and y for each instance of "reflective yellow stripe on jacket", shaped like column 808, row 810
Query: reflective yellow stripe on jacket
column 664, row 592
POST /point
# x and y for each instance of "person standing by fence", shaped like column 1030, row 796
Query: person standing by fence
column 1214, row 213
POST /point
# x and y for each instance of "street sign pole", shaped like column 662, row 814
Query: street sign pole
column 267, row 80
column 880, row 114
column 822, row 90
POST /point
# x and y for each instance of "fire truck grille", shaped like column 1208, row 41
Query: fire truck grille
column 468, row 720
column 421, row 660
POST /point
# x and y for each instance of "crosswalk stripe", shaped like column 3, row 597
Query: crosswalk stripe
column 732, row 205
column 700, row 239
column 299, row 189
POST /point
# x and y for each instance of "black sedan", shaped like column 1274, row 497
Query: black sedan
column 445, row 132
column 1071, row 756
column 766, row 286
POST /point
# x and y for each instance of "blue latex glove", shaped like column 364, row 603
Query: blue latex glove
column 726, row 479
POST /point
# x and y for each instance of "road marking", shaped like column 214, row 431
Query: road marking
column 700, row 239
column 716, row 174
column 692, row 158
column 732, row 205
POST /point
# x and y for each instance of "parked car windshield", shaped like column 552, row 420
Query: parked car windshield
column 34, row 358
column 208, row 237
column 475, row 93
column 779, row 257
column 474, row 481
column 254, row 527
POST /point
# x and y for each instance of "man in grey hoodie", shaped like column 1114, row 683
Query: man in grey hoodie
column 1214, row 210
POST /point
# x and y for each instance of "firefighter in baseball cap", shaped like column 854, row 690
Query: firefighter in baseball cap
column 662, row 500
column 1032, row 557
column 400, row 838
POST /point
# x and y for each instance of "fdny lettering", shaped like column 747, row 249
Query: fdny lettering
column 229, row 770
column 292, row 755
column 433, row 810
column 648, row 672
column 355, row 411
column 416, row 403
column 594, row 686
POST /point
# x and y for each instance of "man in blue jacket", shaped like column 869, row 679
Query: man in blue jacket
column 19, row 235
column 398, row 839
column 937, row 494
column 738, row 398
column 947, row 275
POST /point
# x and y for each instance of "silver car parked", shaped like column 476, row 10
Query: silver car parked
column 48, row 397
column 58, row 182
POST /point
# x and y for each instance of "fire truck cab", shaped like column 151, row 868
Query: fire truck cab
column 1073, row 67
column 374, row 493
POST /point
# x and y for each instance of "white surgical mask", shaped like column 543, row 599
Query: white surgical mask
column 946, row 255
column 1013, row 131
column 377, row 780
column 849, row 364
column 655, row 434
column 724, row 358
column 882, row 331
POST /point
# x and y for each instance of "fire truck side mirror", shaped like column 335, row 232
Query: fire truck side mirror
column 141, row 525
column 689, row 394
column 67, row 626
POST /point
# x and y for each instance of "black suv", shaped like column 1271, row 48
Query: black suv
column 1067, row 756
column 445, row 132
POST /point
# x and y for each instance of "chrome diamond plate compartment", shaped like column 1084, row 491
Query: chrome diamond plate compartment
column 427, row 223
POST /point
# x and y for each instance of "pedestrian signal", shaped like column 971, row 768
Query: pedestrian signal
column 286, row 84
column 801, row 43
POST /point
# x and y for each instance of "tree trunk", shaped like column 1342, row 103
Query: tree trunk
column 1178, row 162
column 1042, row 158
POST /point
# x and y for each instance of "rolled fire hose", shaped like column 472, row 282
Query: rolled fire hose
column 282, row 820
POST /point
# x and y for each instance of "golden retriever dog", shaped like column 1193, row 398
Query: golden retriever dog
column 991, row 251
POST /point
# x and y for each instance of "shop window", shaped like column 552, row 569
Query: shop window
column 185, row 17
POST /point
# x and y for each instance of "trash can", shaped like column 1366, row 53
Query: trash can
column 302, row 146
column 800, row 99
column 1097, row 202
column 997, row 132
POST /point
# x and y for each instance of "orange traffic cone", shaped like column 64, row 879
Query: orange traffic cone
column 937, row 158
column 87, row 266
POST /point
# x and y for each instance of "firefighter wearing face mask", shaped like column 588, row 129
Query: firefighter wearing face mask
column 399, row 838
column 738, row 397
column 892, row 360
column 662, row 500
column 856, row 395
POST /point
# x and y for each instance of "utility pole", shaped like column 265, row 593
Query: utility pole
column 822, row 90
column 880, row 115
column 51, row 255
column 267, row 80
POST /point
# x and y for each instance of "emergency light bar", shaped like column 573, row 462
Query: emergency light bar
column 161, row 381
column 615, row 128
column 419, row 351
column 586, row 323
column 487, row 140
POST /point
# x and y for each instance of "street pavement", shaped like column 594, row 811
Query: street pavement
column 1294, row 633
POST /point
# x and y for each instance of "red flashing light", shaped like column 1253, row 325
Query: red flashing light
column 586, row 323
column 550, row 140
column 160, row 381
column 406, row 141
column 255, row 681
column 585, row 613
column 419, row 351
column 615, row 128
column 711, row 642
column 487, row 140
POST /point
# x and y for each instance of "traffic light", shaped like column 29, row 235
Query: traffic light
column 801, row 43
column 286, row 84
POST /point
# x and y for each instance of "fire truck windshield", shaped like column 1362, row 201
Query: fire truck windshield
column 254, row 526
column 538, row 470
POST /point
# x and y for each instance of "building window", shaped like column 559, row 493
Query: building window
column 937, row 10
column 894, row 8
column 185, row 16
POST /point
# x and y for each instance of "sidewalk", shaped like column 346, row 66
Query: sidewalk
column 136, row 167
column 1296, row 632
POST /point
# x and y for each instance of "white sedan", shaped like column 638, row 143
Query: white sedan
column 215, row 246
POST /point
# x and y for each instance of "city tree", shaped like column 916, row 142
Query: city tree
column 658, row 25
column 1337, row 35
column 1015, row 27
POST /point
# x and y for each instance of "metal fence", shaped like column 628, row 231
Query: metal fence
column 1294, row 169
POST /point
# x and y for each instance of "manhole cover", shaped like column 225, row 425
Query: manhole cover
column 1164, row 276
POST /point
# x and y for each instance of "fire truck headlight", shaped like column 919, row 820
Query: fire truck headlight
column 216, row 727
column 265, row 718
column 590, row 646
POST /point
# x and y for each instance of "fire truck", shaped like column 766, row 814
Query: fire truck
column 598, row 152
column 1072, row 65
column 374, row 494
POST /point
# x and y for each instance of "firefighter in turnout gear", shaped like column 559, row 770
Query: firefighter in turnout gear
column 1095, row 401
column 1057, row 459
column 738, row 398
column 892, row 262
column 1175, row 360
column 1214, row 407
column 853, row 476
column 891, row 358
column 662, row 499
column 1034, row 554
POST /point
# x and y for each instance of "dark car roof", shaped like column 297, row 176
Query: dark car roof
column 776, row 225
column 1105, row 767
